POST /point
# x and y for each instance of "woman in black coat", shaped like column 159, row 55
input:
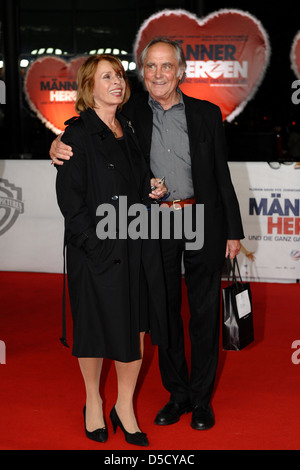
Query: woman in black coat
column 115, row 281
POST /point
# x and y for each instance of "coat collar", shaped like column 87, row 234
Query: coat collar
column 95, row 125
column 107, row 145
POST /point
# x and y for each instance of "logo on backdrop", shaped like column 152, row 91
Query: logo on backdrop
column 295, row 255
column 227, row 54
column 11, row 205
column 50, row 89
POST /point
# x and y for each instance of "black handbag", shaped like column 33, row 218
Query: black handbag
column 237, row 315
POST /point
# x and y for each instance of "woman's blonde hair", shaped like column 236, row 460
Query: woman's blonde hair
column 85, row 81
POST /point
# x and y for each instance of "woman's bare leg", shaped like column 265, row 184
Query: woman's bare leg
column 127, row 373
column 91, row 370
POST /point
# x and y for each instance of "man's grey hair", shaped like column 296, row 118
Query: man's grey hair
column 179, row 54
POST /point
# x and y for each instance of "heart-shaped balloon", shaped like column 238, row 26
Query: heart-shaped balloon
column 227, row 54
column 295, row 55
column 50, row 88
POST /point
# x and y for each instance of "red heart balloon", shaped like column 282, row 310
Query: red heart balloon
column 50, row 88
column 295, row 55
column 227, row 54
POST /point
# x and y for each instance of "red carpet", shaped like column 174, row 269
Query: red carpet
column 256, row 401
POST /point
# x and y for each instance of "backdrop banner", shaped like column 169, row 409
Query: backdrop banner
column 270, row 206
column 31, row 225
column 227, row 54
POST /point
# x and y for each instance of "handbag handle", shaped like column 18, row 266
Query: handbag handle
column 232, row 267
column 235, row 262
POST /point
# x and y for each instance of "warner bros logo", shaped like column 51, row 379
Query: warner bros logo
column 11, row 205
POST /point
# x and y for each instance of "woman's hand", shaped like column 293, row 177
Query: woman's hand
column 160, row 188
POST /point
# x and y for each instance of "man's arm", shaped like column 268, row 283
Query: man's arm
column 60, row 151
column 227, row 191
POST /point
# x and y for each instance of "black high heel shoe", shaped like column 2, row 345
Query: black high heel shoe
column 99, row 435
column 137, row 438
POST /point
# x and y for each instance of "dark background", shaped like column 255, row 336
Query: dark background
column 79, row 26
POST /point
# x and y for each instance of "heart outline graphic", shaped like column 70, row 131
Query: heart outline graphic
column 144, row 36
column 51, row 68
column 295, row 55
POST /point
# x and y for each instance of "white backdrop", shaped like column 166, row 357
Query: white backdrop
column 31, row 226
column 35, row 241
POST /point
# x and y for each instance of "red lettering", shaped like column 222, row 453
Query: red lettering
column 288, row 226
column 297, row 226
column 277, row 225
column 284, row 225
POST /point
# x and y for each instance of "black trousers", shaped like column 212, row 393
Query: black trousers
column 203, row 287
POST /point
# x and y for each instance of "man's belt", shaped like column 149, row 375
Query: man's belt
column 178, row 204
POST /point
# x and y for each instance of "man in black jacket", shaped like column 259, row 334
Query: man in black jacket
column 183, row 140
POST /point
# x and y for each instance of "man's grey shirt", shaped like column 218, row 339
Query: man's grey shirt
column 170, row 149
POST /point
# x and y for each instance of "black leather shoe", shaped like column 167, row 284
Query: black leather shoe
column 171, row 412
column 99, row 435
column 202, row 418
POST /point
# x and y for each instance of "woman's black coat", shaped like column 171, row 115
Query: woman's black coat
column 116, row 285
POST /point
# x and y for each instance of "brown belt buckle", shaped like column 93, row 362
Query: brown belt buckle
column 174, row 206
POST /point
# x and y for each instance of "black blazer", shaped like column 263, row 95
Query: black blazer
column 210, row 172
